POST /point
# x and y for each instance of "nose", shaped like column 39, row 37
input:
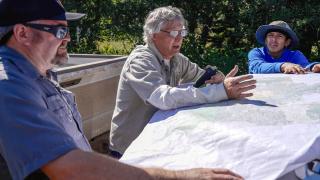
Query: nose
column 67, row 38
column 273, row 39
column 179, row 36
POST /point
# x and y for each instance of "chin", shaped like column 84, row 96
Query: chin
column 176, row 52
column 274, row 51
column 60, row 59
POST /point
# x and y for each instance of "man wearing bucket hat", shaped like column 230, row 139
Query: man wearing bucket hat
column 276, row 55
column 41, row 132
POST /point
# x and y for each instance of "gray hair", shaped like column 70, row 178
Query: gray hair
column 158, row 18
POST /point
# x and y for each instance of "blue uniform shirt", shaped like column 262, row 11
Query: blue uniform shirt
column 39, row 119
column 261, row 62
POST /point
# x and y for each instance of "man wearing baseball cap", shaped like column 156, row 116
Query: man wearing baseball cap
column 276, row 56
column 40, row 127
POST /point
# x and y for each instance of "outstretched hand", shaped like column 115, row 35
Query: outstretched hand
column 237, row 87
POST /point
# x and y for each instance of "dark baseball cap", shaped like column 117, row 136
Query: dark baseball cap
column 20, row 11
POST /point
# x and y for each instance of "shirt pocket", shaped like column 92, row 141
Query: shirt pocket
column 57, row 105
column 71, row 99
column 62, row 109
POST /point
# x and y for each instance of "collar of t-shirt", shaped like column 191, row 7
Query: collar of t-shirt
column 167, row 62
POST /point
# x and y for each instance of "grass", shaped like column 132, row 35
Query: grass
column 115, row 47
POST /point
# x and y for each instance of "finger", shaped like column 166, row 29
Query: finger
column 288, row 71
column 243, row 78
column 217, row 76
column 293, row 70
column 247, row 88
column 225, row 171
column 302, row 71
column 298, row 70
column 247, row 83
column 220, row 77
column 233, row 71
column 220, row 73
column 285, row 71
column 244, row 95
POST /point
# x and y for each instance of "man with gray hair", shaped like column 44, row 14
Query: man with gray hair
column 155, row 76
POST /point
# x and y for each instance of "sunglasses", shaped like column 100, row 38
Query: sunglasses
column 174, row 34
column 59, row 31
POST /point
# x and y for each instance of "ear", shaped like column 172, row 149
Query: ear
column 288, row 42
column 21, row 33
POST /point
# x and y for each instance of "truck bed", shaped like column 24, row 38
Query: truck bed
column 94, row 80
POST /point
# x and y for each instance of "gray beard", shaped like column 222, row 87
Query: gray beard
column 60, row 59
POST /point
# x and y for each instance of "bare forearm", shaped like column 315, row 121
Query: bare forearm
column 193, row 174
column 162, row 174
column 87, row 165
column 78, row 164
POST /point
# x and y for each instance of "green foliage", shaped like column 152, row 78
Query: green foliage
column 115, row 47
column 223, row 58
column 221, row 32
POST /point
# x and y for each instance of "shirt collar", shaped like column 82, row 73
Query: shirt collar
column 24, row 65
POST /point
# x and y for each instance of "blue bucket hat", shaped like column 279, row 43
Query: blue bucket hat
column 20, row 11
column 278, row 26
